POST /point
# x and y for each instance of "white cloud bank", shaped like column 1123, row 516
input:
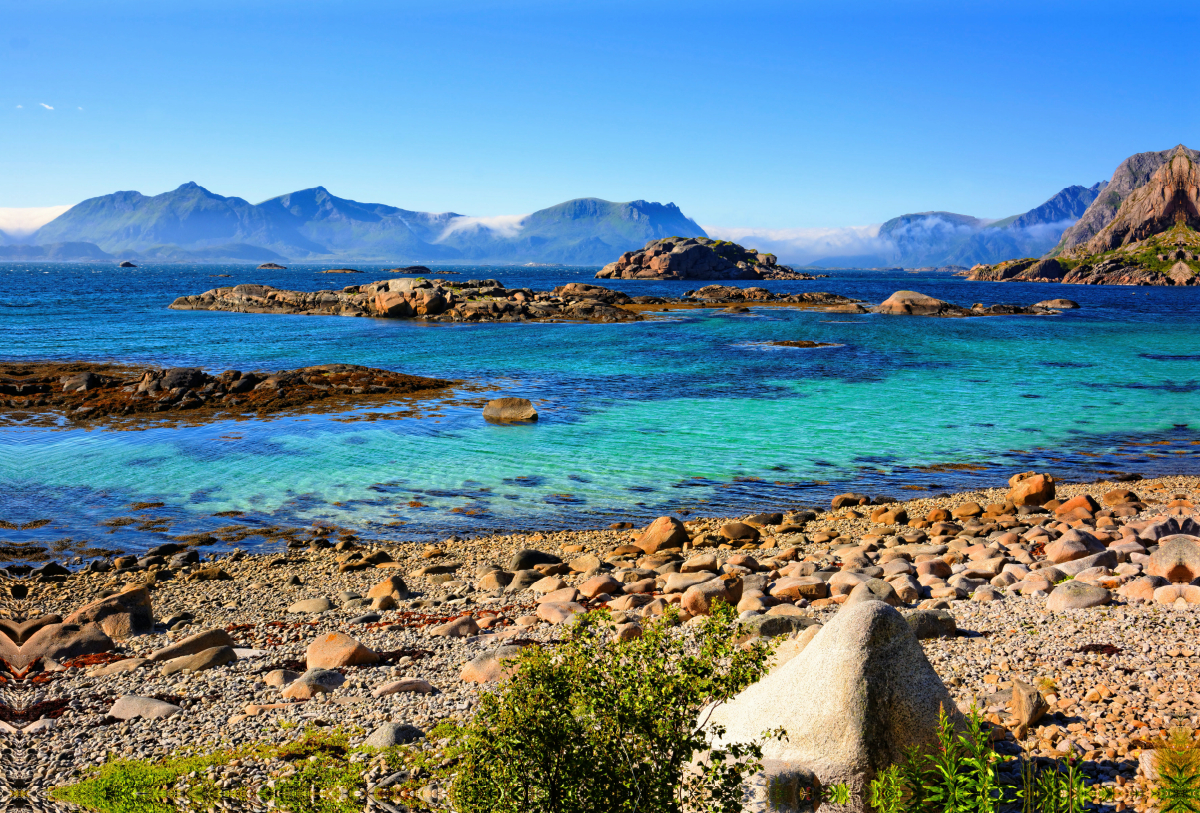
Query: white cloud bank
column 24, row 222
column 802, row 246
column 500, row 225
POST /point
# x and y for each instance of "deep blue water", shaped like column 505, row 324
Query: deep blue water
column 685, row 413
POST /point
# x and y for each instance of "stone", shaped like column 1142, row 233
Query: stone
column 872, row 590
column 278, row 678
column 849, row 500
column 967, row 510
column 680, row 582
column 584, row 564
column 549, row 584
column 130, row 706
column 207, row 659
column 120, row 616
column 117, row 667
column 1083, row 501
column 494, row 580
column 393, row 587
column 413, row 685
column 628, row 631
column 311, row 605
column 337, row 649
column 698, row 599
column 490, row 667
column 510, row 410
column 810, row 588
column 568, row 594
column 312, row 683
column 852, row 702
column 1177, row 559
column 773, row 626
column 911, row 303
column 527, row 558
column 1027, row 706
column 763, row 520
column 1119, row 496
column 1057, row 304
column 932, row 624
column 1073, row 595
column 663, row 533
column 556, row 612
column 60, row 642
column 1031, row 488
column 599, row 585
column 388, row 735
column 740, row 532
column 792, row 646
column 705, row 562
column 193, row 644
column 457, row 628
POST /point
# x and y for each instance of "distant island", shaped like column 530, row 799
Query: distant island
column 697, row 258
column 1142, row 231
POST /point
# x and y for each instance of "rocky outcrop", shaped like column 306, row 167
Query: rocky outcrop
column 126, row 264
column 912, row 303
column 273, row 267
column 510, row 410
column 697, row 258
column 1143, row 230
column 89, row 392
column 427, row 300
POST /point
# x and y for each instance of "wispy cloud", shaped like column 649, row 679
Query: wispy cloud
column 43, row 104
column 24, row 222
column 805, row 245
column 20, row 107
column 501, row 225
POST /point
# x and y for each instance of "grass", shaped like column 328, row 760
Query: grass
column 329, row 776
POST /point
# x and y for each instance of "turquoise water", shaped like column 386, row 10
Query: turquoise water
column 686, row 413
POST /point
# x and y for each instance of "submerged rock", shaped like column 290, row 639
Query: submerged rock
column 510, row 410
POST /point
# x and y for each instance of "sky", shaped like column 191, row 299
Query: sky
column 748, row 115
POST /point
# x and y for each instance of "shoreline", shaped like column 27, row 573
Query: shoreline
column 254, row 597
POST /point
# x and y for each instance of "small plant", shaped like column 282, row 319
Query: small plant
column 598, row 724
column 1177, row 763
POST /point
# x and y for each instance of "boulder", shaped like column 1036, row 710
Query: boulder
column 279, row 678
column 337, row 649
column 663, row 533
column 61, row 642
column 680, row 582
column 911, row 303
column 852, row 702
column 598, row 585
column 556, row 612
column 1074, row 595
column 457, row 628
column 1177, row 559
column 510, row 410
column 773, row 626
column 193, row 644
column 1031, row 488
column 849, row 500
column 120, row 616
column 1027, row 706
column 1056, row 304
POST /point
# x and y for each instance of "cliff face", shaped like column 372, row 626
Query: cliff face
column 1170, row 198
column 1133, row 173
column 1150, row 237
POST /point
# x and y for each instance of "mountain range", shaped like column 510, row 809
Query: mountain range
column 191, row 223
column 946, row 238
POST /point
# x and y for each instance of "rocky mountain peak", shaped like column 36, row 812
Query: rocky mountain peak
column 1170, row 198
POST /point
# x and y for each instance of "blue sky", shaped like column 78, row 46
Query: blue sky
column 755, row 114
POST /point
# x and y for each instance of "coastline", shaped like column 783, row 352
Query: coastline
column 249, row 596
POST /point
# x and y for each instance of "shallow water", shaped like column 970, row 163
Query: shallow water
column 690, row 412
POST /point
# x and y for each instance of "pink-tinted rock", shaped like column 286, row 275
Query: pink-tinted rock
column 120, row 616
column 337, row 649
column 663, row 533
column 598, row 585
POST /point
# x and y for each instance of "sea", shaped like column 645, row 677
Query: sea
column 688, row 413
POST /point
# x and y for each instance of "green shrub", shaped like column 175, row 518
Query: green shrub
column 597, row 725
